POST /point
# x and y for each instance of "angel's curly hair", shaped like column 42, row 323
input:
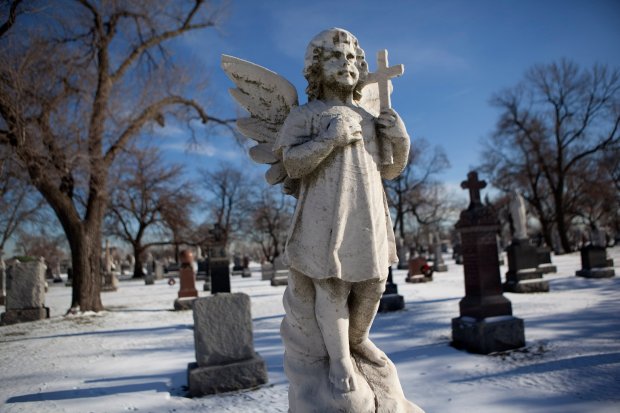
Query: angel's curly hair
column 313, row 71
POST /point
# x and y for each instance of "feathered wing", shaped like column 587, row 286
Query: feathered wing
column 268, row 97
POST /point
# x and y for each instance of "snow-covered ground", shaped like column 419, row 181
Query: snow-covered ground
column 134, row 356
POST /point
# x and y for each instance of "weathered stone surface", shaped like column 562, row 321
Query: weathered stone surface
column 527, row 286
column 25, row 285
column 488, row 335
column 238, row 375
column 223, row 329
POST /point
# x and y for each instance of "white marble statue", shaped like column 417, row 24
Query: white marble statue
column 518, row 214
column 331, row 154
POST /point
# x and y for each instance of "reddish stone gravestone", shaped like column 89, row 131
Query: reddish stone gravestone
column 187, row 280
column 419, row 271
column 486, row 323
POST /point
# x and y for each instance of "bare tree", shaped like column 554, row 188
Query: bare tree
column 77, row 85
column 227, row 200
column 551, row 125
column 271, row 218
column 416, row 193
column 145, row 195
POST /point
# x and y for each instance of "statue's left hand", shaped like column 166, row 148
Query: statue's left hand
column 390, row 125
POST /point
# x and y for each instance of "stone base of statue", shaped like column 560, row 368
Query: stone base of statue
column 306, row 364
column 22, row 315
column 488, row 335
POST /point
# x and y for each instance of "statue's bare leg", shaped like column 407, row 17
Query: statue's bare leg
column 332, row 315
column 363, row 304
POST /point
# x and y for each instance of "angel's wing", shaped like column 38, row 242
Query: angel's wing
column 269, row 99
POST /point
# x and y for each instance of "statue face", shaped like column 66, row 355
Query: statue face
column 339, row 68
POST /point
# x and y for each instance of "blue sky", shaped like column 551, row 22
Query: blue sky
column 456, row 55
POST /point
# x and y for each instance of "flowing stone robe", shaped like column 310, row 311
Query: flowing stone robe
column 342, row 226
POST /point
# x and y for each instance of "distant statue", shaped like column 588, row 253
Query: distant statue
column 332, row 154
column 519, row 216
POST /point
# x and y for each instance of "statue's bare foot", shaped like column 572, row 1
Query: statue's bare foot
column 370, row 352
column 341, row 374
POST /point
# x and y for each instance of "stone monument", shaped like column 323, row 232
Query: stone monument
column 225, row 356
column 25, row 292
column 110, row 282
column 2, row 280
column 280, row 272
column 267, row 271
column 438, row 263
column 486, row 323
column 332, row 154
column 187, row 280
column 419, row 270
column 219, row 263
column 594, row 263
column 391, row 300
column 524, row 275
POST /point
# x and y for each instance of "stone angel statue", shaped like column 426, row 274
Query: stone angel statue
column 331, row 154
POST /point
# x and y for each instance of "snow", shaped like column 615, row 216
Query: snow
column 134, row 356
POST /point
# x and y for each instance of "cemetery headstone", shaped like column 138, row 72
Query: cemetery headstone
column 246, row 272
column 219, row 262
column 110, row 282
column 419, row 270
column 544, row 260
column 391, row 300
column 267, row 271
column 225, row 356
column 187, row 280
column 523, row 274
column 403, row 254
column 159, row 270
column 595, row 264
column 25, row 292
column 280, row 272
column 438, row 262
column 69, row 281
column 237, row 265
column 330, row 154
column 486, row 323
column 2, row 280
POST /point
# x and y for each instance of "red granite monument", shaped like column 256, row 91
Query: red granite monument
column 187, row 280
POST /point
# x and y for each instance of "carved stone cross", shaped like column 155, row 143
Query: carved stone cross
column 382, row 76
column 474, row 186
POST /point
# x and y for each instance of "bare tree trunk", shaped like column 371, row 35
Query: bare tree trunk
column 85, row 258
column 137, row 269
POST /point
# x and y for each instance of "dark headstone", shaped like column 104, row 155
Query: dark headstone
column 219, row 262
column 595, row 264
column 523, row 274
column 391, row 300
column 544, row 260
column 486, row 323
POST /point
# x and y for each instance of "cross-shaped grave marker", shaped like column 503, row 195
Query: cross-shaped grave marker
column 474, row 186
